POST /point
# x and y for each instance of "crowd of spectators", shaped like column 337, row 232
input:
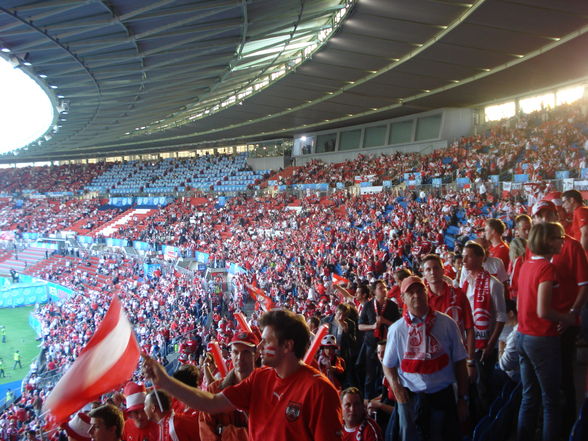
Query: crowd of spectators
column 537, row 144
column 46, row 216
column 291, row 248
column 55, row 178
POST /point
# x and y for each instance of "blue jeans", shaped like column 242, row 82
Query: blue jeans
column 426, row 417
column 540, row 360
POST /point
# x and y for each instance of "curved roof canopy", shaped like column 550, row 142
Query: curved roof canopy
column 135, row 76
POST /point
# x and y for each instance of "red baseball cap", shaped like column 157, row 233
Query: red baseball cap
column 408, row 282
column 245, row 338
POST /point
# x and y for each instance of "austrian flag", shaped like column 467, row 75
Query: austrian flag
column 108, row 361
column 261, row 297
column 339, row 280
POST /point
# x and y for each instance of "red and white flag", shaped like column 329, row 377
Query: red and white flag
column 108, row 361
column 339, row 280
column 261, row 297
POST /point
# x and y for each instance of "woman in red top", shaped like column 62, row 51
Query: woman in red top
column 538, row 333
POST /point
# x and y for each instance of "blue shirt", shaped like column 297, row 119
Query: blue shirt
column 446, row 331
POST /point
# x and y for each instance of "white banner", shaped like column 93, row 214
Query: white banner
column 370, row 190
column 568, row 184
column 582, row 183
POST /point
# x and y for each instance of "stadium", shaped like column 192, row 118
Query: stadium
column 383, row 199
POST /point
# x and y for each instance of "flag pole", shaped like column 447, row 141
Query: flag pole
column 157, row 397
column 145, row 356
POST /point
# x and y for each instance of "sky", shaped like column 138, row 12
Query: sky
column 25, row 109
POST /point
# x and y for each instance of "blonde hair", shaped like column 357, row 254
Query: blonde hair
column 540, row 236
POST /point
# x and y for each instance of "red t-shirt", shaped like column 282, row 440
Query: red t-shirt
column 301, row 407
column 514, row 271
column 458, row 309
column 132, row 433
column 533, row 272
column 500, row 251
column 580, row 220
column 370, row 431
column 186, row 428
column 571, row 267
column 449, row 271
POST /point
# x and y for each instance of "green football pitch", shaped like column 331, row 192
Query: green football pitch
column 19, row 336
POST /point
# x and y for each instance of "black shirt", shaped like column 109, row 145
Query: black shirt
column 368, row 317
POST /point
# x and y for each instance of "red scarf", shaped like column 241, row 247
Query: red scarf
column 449, row 304
column 167, row 431
column 379, row 311
column 423, row 354
column 481, row 312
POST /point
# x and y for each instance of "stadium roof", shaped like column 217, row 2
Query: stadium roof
column 141, row 76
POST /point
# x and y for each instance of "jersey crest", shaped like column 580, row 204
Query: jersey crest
column 293, row 411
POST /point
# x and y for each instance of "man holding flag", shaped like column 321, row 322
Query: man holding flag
column 285, row 400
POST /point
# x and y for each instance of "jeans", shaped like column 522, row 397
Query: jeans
column 426, row 417
column 371, row 379
column 568, row 358
column 540, row 360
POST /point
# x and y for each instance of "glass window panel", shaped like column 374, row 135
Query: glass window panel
column 569, row 95
column 350, row 140
column 500, row 111
column 375, row 136
column 326, row 143
column 428, row 128
column 539, row 102
column 401, row 132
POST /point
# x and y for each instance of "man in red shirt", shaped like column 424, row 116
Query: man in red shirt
column 171, row 427
column 493, row 232
column 358, row 426
column 573, row 203
column 138, row 427
column 286, row 400
column 451, row 301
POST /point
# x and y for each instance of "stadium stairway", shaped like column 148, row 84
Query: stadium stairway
column 112, row 226
column 26, row 258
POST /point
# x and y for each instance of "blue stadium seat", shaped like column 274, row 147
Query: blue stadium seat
column 484, row 428
column 580, row 428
